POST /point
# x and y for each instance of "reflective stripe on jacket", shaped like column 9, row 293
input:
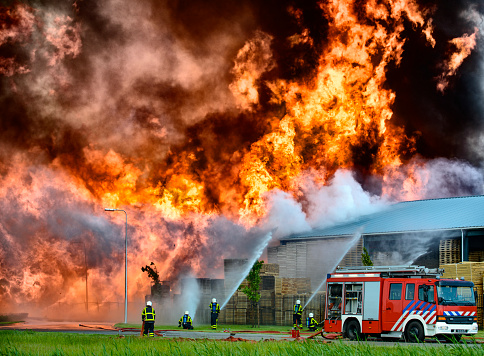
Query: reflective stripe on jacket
column 214, row 308
column 185, row 319
column 312, row 323
column 297, row 309
column 148, row 314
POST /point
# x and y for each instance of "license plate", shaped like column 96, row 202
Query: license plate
column 460, row 331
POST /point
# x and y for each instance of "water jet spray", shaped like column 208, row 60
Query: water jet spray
column 351, row 243
column 258, row 252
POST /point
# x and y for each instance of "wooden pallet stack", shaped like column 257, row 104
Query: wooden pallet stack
column 267, row 299
column 476, row 256
column 269, row 269
column 235, row 311
column 449, row 251
column 470, row 271
column 292, row 285
column 353, row 257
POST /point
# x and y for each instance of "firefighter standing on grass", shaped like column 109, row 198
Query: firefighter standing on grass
column 214, row 311
column 148, row 318
column 297, row 310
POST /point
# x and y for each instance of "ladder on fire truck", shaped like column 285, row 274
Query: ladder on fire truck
column 392, row 271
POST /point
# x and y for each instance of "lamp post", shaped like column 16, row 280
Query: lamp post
column 125, row 266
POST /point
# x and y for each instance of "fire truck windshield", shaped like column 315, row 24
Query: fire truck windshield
column 455, row 293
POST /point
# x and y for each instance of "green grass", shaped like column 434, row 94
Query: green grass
column 14, row 342
column 9, row 322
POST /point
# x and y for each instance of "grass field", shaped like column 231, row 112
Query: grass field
column 41, row 343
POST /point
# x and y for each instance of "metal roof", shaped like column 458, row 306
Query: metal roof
column 411, row 216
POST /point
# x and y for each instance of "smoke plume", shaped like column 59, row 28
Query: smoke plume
column 214, row 122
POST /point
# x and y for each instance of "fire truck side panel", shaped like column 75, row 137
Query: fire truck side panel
column 332, row 326
column 371, row 301
column 371, row 308
column 371, row 327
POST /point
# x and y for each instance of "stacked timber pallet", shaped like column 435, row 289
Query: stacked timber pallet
column 292, row 285
column 267, row 316
column 353, row 257
column 269, row 269
column 267, row 299
column 449, row 251
column 470, row 271
column 235, row 311
column 476, row 256
column 267, row 307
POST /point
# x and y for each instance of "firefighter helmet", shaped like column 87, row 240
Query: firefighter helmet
column 148, row 303
column 298, row 301
column 214, row 300
column 311, row 315
column 186, row 313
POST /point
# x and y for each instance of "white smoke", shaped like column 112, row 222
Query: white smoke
column 188, row 300
column 342, row 200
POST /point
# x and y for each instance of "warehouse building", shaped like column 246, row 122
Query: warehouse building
column 424, row 232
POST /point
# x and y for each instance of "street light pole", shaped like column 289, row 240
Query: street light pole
column 125, row 266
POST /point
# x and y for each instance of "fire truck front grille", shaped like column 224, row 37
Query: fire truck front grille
column 459, row 320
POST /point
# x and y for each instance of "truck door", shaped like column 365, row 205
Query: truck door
column 391, row 304
column 426, row 307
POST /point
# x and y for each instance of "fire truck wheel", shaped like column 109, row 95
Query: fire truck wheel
column 414, row 332
column 353, row 330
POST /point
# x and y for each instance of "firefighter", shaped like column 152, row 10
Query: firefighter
column 311, row 323
column 296, row 314
column 214, row 311
column 186, row 321
column 148, row 317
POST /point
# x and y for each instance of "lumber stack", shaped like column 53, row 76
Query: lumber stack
column 235, row 309
column 353, row 257
column 449, row 251
column 269, row 269
column 292, row 285
column 476, row 256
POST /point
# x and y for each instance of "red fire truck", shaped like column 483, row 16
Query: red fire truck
column 391, row 302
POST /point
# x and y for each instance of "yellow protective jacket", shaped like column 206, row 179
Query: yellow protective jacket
column 148, row 314
column 214, row 308
column 312, row 323
column 297, row 309
column 185, row 319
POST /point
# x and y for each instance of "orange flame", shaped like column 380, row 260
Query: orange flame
column 339, row 117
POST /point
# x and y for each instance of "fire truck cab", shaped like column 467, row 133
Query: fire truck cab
column 399, row 301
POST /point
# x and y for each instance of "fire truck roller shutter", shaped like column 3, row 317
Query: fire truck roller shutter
column 371, row 301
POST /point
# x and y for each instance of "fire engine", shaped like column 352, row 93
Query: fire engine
column 399, row 301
